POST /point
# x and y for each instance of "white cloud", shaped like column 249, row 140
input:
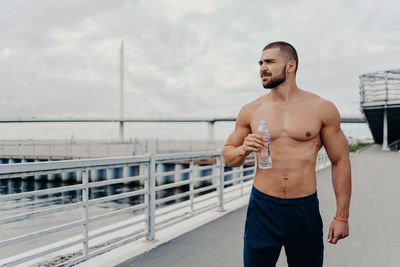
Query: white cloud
column 192, row 58
column 4, row 53
column 176, row 10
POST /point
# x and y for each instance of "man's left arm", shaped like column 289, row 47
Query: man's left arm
column 337, row 148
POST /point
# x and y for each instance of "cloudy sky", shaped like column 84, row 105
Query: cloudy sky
column 183, row 58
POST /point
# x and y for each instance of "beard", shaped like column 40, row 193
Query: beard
column 275, row 81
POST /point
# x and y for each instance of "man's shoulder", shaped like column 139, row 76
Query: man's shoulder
column 251, row 106
column 325, row 105
column 327, row 111
column 247, row 111
column 313, row 97
column 320, row 102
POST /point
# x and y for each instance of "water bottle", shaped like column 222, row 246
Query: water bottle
column 264, row 159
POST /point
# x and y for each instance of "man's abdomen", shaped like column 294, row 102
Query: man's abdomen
column 292, row 175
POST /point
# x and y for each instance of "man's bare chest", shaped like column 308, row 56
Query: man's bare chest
column 299, row 122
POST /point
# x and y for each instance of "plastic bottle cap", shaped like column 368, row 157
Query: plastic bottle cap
column 263, row 122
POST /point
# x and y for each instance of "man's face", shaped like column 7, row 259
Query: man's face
column 272, row 68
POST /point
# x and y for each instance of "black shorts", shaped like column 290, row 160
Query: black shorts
column 273, row 222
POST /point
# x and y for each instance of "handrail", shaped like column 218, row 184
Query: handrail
column 24, row 169
column 395, row 143
column 149, row 216
column 381, row 86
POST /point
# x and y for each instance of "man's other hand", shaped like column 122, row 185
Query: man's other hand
column 338, row 230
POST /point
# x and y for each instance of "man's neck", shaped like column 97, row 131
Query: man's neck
column 285, row 93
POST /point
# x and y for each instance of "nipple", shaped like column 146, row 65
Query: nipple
column 308, row 134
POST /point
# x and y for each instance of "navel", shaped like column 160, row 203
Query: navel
column 308, row 134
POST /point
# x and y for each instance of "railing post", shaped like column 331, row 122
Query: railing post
column 85, row 199
column 221, row 184
column 241, row 174
column 191, row 186
column 151, row 200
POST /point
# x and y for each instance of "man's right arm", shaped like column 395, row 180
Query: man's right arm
column 241, row 142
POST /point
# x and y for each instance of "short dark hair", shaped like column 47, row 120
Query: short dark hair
column 286, row 49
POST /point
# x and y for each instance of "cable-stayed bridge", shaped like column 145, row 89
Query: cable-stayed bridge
column 122, row 121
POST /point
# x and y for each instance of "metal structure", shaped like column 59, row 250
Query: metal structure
column 150, row 214
column 394, row 145
column 123, row 120
column 145, row 218
column 380, row 88
column 121, row 93
column 59, row 149
column 344, row 119
column 380, row 102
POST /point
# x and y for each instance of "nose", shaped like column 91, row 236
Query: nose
column 263, row 67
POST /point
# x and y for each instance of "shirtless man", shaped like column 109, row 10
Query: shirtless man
column 283, row 207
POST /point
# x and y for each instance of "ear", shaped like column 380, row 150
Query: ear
column 291, row 66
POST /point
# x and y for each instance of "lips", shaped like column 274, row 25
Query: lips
column 264, row 74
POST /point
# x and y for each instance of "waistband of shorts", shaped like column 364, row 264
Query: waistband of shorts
column 284, row 201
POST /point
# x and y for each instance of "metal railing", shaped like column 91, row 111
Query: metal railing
column 103, row 148
column 146, row 217
column 394, row 145
column 380, row 87
column 151, row 213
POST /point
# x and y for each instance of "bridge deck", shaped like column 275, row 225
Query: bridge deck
column 374, row 223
